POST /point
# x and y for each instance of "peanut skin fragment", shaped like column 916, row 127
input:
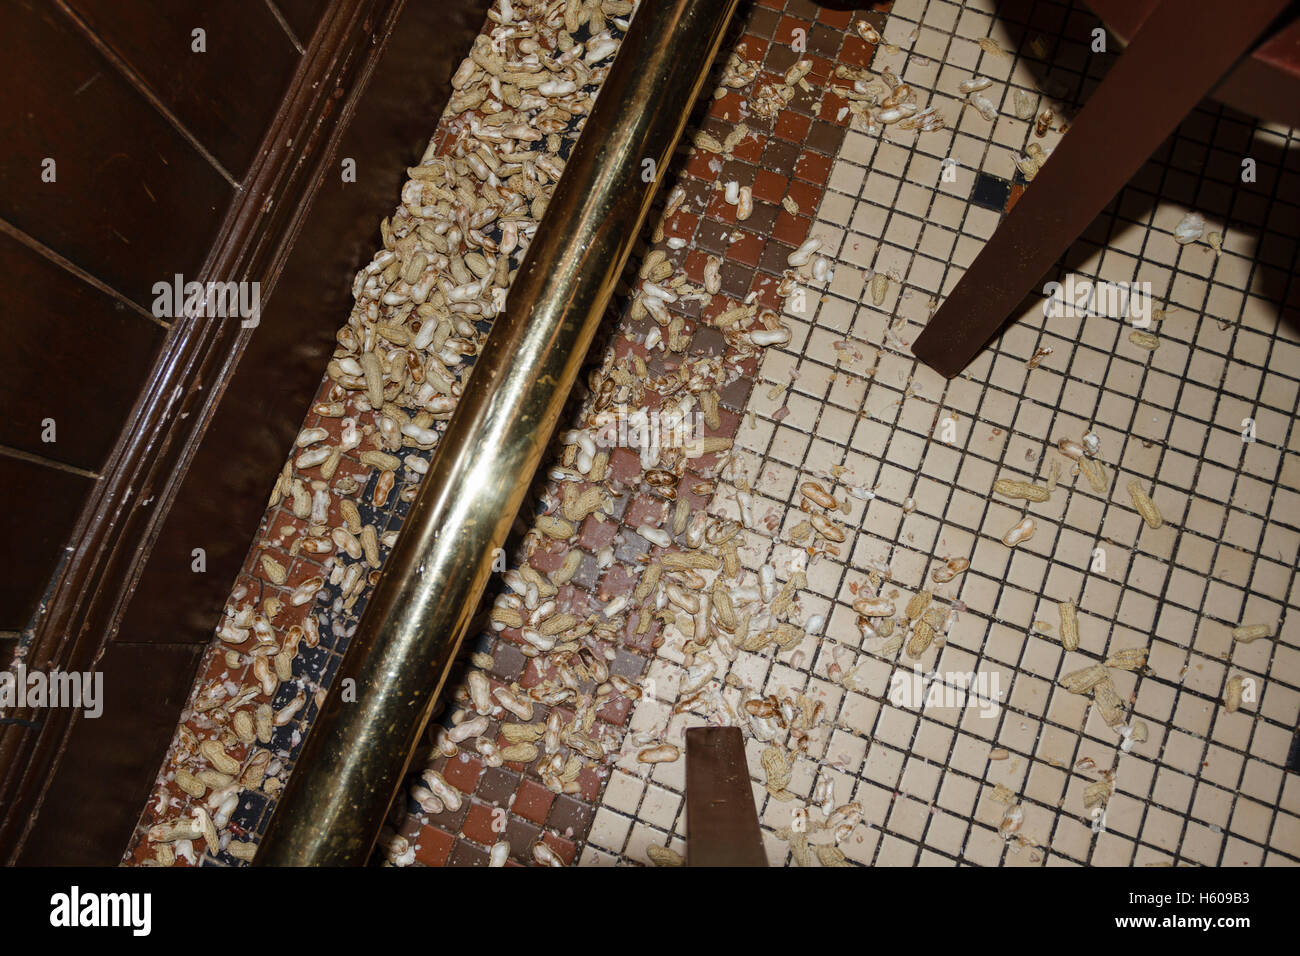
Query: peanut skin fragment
column 1069, row 625
column 1144, row 505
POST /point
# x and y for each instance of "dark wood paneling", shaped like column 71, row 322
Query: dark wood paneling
column 225, row 96
column 225, row 490
column 303, row 16
column 134, row 202
column 186, row 385
column 386, row 130
column 41, row 506
column 72, row 353
column 103, row 780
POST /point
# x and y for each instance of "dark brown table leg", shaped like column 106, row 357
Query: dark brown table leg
column 721, row 821
column 1178, row 56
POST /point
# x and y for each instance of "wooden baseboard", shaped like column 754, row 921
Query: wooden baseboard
column 188, row 388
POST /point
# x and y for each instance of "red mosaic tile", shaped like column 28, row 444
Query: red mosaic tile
column 625, row 466
column 532, row 801
column 836, row 19
column 728, row 424
column 433, row 846
column 819, row 73
column 616, row 710
column 807, row 195
column 755, row 46
column 624, row 345
column 567, row 850
column 720, row 304
column 299, row 571
column 785, row 31
column 700, row 165
column 747, row 250
column 462, row 772
column 749, row 149
column 681, row 226
column 646, row 509
column 768, row 289
column 215, row 669
column 730, row 107
column 813, row 167
column 616, row 582
column 1017, row 190
column 791, row 126
column 574, row 601
column 596, row 534
column 646, row 640
column 590, row 780
column 282, row 527
column 769, row 186
column 857, row 52
column 720, row 210
column 830, row 109
column 548, row 557
column 479, row 822
column 533, row 675
column 653, row 400
column 792, row 230
column 694, row 263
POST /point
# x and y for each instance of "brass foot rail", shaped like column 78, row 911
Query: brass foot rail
column 357, row 753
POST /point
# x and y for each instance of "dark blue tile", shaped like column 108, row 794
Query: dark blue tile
column 990, row 192
column 252, row 806
column 310, row 663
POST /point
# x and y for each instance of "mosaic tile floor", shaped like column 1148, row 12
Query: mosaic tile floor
column 794, row 144
column 1207, row 786
column 1021, row 771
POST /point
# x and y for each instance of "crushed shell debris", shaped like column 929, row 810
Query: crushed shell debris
column 422, row 307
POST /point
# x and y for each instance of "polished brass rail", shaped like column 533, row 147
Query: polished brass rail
column 357, row 753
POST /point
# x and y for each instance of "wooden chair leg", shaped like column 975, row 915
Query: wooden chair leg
column 1178, row 56
column 721, row 820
